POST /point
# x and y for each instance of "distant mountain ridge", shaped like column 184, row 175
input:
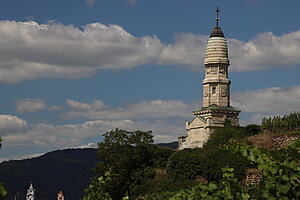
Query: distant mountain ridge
column 171, row 145
column 68, row 170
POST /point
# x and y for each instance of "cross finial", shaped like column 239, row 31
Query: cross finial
column 217, row 11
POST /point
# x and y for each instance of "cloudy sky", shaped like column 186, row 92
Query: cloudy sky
column 71, row 70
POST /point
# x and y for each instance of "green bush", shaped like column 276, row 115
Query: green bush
column 223, row 135
column 209, row 161
column 214, row 158
column 280, row 169
column 227, row 189
column 161, row 157
column 281, row 175
column 252, row 129
column 185, row 164
column 97, row 188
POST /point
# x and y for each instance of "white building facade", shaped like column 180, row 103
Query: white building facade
column 216, row 109
column 30, row 193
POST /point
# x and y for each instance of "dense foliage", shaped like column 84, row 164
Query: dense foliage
column 144, row 171
column 127, row 155
column 280, row 169
column 281, row 175
column 284, row 123
column 208, row 161
column 252, row 129
column 227, row 189
column 96, row 189
column 137, row 166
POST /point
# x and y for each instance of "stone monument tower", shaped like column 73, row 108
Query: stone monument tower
column 216, row 108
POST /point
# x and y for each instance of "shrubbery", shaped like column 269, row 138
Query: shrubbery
column 281, row 175
column 284, row 123
column 209, row 160
column 252, row 129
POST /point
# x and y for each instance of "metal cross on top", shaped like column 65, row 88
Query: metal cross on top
column 217, row 11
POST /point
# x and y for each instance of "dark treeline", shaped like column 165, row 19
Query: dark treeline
column 284, row 123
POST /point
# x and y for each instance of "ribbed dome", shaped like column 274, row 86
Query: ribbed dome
column 216, row 51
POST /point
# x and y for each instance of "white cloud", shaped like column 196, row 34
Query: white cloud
column 90, row 2
column 267, row 102
column 265, row 51
column 164, row 118
column 155, row 109
column 95, row 105
column 30, row 105
column 146, row 115
column 73, row 135
column 55, row 108
column 262, row 52
column 89, row 145
column 188, row 49
column 131, row 2
column 21, row 157
column 10, row 124
column 29, row 50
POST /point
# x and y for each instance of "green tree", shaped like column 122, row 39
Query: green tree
column 96, row 189
column 185, row 164
column 3, row 191
column 214, row 158
column 127, row 155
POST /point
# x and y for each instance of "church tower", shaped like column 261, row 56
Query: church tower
column 30, row 193
column 216, row 83
column 60, row 196
column 216, row 109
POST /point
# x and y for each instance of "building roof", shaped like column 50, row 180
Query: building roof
column 217, row 32
column 216, row 107
column 216, row 50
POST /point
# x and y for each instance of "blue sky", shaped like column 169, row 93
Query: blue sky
column 71, row 70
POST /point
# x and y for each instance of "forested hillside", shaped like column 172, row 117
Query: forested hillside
column 67, row 170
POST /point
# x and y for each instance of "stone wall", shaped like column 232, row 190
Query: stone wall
column 282, row 141
column 254, row 176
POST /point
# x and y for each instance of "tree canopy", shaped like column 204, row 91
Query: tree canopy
column 125, row 154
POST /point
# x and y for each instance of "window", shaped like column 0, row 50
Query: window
column 213, row 90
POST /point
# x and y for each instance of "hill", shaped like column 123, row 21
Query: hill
column 171, row 145
column 67, row 170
